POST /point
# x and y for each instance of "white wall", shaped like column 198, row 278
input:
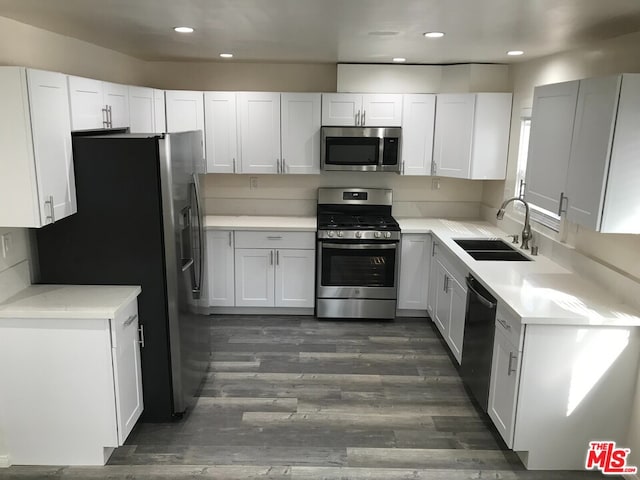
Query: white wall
column 619, row 253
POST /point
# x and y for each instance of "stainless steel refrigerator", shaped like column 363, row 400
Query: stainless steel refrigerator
column 139, row 222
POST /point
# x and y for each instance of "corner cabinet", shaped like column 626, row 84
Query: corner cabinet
column 471, row 137
column 37, row 185
column 415, row 260
column 84, row 385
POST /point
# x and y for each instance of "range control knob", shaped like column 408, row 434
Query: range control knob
column 358, row 234
column 330, row 233
column 341, row 233
column 377, row 234
column 387, row 234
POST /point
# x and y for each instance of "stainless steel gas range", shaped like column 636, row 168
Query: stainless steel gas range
column 358, row 242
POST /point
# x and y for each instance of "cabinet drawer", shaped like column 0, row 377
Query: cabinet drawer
column 511, row 325
column 275, row 239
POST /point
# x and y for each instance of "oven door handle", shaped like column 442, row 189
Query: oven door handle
column 360, row 246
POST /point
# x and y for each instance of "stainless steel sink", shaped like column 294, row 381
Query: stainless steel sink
column 491, row 249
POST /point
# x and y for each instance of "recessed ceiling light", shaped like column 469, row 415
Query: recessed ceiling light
column 515, row 53
column 183, row 29
column 434, row 34
column 226, row 55
column 399, row 59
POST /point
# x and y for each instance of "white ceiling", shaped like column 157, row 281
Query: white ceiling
column 333, row 30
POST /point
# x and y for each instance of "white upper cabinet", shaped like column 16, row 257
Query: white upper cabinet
column 36, row 167
column 259, row 120
column 602, row 181
column 300, row 131
column 471, row 136
column 185, row 111
column 221, row 132
column 143, row 103
column 418, row 116
column 552, row 118
column 366, row 110
column 97, row 104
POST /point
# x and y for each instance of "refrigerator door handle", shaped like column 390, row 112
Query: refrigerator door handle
column 197, row 282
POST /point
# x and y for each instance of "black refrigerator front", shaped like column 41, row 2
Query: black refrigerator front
column 139, row 222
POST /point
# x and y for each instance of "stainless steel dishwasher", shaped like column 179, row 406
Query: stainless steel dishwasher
column 477, row 346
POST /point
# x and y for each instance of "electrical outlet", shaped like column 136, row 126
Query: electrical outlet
column 253, row 183
column 435, row 184
column 7, row 244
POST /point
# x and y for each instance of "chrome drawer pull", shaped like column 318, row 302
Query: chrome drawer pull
column 130, row 320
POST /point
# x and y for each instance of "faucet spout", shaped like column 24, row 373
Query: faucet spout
column 526, row 232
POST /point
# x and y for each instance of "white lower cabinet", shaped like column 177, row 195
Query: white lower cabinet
column 220, row 267
column 74, row 389
column 450, row 301
column 415, row 259
column 255, row 277
column 295, row 279
column 505, row 375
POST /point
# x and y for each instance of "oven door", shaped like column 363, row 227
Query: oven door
column 357, row 270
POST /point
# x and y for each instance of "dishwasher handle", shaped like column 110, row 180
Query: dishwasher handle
column 487, row 303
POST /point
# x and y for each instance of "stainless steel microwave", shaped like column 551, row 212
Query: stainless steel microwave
column 362, row 149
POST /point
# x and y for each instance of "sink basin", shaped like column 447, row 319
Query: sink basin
column 491, row 249
column 483, row 244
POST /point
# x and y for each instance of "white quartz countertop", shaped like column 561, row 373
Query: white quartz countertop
column 69, row 301
column 251, row 222
column 539, row 291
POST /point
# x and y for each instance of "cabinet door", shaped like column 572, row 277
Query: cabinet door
column 591, row 145
column 220, row 269
column 453, row 135
column 185, row 111
column 381, row 110
column 415, row 253
column 221, row 131
column 442, row 297
column 552, row 116
column 259, row 132
column 418, row 116
column 50, row 124
column 141, row 110
column 300, row 133
column 432, row 284
column 295, row 278
column 127, row 371
column 254, row 277
column 504, row 385
column 116, row 97
column 455, row 333
column 490, row 143
column 341, row 109
column 86, row 98
column 159, row 114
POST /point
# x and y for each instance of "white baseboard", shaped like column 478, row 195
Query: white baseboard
column 5, row 461
column 258, row 311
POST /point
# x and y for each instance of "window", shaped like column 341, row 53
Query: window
column 537, row 214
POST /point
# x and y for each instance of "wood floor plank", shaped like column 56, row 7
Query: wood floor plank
column 387, row 420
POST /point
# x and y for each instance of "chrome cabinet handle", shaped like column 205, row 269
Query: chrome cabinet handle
column 446, row 284
column 434, row 167
column 358, row 118
column 130, row 320
column 110, row 116
column 105, row 116
column 52, row 211
column 230, row 239
column 562, row 199
column 141, row 335
column 364, row 114
column 512, row 357
column 271, row 257
column 284, row 166
column 274, row 237
column 403, row 167
column 234, row 165
column 277, row 257
column 503, row 323
column 433, row 249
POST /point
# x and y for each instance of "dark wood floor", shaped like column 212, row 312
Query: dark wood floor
column 298, row 398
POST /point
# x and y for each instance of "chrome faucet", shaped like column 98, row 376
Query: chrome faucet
column 526, row 232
